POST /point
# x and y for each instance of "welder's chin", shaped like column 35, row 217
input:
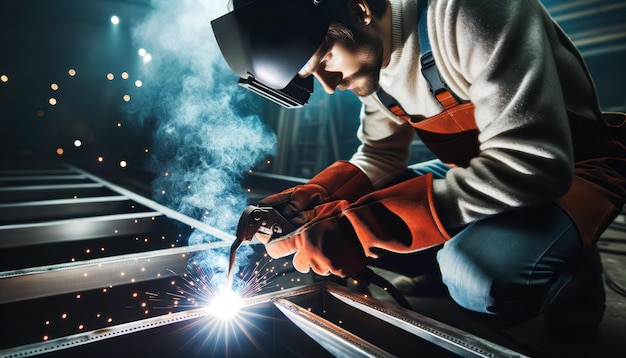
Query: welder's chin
column 364, row 85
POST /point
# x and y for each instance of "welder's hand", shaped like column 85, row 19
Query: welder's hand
column 335, row 237
column 341, row 180
column 327, row 244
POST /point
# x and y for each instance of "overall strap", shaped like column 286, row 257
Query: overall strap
column 429, row 70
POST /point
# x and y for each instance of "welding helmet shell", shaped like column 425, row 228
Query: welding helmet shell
column 272, row 40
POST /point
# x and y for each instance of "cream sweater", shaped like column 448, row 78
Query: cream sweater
column 521, row 73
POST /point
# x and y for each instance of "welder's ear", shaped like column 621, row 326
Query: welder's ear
column 361, row 12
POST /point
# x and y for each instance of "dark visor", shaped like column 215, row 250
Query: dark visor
column 266, row 43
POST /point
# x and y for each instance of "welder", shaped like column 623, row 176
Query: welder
column 529, row 171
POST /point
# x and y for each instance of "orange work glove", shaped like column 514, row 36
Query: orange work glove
column 336, row 237
column 341, row 180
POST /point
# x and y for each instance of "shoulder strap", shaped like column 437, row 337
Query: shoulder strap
column 429, row 70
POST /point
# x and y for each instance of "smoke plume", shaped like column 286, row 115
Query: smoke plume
column 206, row 132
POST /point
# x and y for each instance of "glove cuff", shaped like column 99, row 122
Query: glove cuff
column 343, row 180
column 401, row 218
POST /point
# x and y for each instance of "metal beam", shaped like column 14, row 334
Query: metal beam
column 25, row 284
column 76, row 229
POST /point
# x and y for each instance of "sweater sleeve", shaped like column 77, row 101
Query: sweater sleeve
column 384, row 150
column 501, row 55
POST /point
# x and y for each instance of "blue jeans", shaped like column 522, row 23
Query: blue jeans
column 511, row 264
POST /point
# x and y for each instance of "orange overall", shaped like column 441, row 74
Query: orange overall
column 598, row 192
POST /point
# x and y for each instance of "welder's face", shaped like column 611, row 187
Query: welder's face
column 347, row 65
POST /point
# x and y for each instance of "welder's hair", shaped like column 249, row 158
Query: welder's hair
column 378, row 6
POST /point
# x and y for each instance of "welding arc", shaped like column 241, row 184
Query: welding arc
column 367, row 276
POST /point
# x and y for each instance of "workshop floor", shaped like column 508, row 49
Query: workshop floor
column 529, row 338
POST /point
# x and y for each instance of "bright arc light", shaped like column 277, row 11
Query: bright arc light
column 115, row 20
column 225, row 305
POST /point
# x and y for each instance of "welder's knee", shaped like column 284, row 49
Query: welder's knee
column 468, row 284
column 501, row 266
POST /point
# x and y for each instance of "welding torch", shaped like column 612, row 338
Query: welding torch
column 267, row 222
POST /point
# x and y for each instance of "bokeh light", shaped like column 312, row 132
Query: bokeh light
column 115, row 20
column 52, row 101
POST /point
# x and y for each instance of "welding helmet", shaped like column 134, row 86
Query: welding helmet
column 267, row 42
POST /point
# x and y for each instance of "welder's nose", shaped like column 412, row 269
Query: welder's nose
column 328, row 80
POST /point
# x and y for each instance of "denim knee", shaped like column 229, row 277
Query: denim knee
column 467, row 284
column 503, row 266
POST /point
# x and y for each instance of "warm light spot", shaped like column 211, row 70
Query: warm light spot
column 72, row 72
column 142, row 52
column 78, row 296
column 45, row 338
column 110, row 320
column 52, row 101
column 115, row 20
column 138, row 83
column 100, row 159
column 125, row 75
column 60, row 151
column 110, row 76
column 47, row 323
column 80, row 326
column 54, row 86
column 88, row 251
column 119, row 124
column 145, row 150
column 77, row 143
column 40, row 113
column 126, row 98
column 64, row 316
column 123, row 164
column 135, row 294
column 4, row 78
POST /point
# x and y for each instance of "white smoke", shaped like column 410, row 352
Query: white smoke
column 206, row 131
